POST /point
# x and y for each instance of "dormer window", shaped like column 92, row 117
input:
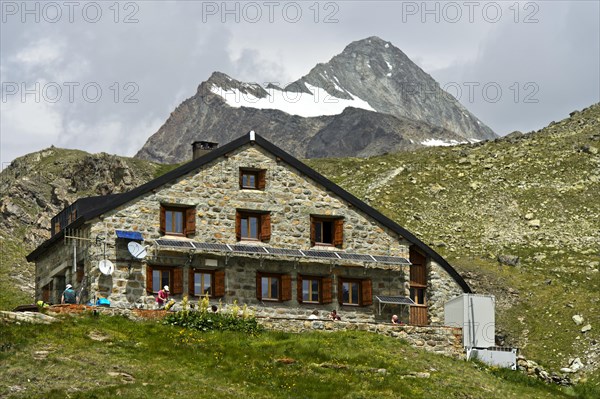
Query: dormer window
column 252, row 179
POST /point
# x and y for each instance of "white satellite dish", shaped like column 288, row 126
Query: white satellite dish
column 106, row 267
column 136, row 250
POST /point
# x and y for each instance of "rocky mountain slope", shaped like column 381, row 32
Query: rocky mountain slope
column 370, row 84
column 36, row 187
column 517, row 216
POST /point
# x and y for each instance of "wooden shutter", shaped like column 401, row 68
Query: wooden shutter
column 366, row 293
column 259, row 286
column 219, row 283
column 326, row 296
column 177, row 281
column 191, row 282
column 418, row 316
column 262, row 179
column 286, row 287
column 312, row 231
column 265, row 227
column 163, row 222
column 238, row 226
column 299, row 288
column 190, row 221
column 148, row 278
column 338, row 232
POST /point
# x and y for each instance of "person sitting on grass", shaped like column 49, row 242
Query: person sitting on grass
column 396, row 320
column 314, row 315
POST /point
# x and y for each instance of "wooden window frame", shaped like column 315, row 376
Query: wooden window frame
column 263, row 227
column 300, row 285
column 284, row 287
column 217, row 282
column 325, row 291
column 337, row 230
column 365, row 292
column 188, row 214
column 419, row 300
column 259, row 179
column 175, row 278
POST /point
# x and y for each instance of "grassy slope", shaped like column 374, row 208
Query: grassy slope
column 166, row 361
column 474, row 202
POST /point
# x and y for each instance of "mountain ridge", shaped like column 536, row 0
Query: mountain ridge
column 370, row 75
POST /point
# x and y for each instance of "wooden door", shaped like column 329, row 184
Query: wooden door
column 418, row 287
column 418, row 316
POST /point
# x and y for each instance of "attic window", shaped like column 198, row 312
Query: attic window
column 326, row 231
column 252, row 179
column 177, row 220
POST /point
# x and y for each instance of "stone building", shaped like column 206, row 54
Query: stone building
column 246, row 222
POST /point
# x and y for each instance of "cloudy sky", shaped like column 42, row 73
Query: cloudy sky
column 104, row 76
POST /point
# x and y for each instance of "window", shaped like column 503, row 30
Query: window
column 160, row 278
column 253, row 226
column 326, row 231
column 202, row 282
column 157, row 277
column 313, row 289
column 252, row 179
column 178, row 220
column 273, row 287
column 417, row 294
column 355, row 292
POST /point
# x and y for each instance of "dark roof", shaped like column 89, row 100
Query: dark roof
column 255, row 139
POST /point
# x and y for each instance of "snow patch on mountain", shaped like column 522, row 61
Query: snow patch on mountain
column 441, row 143
column 318, row 103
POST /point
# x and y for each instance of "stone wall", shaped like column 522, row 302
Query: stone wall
column 441, row 287
column 56, row 266
column 444, row 340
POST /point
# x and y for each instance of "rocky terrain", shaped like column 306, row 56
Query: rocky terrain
column 517, row 216
column 36, row 187
column 371, row 97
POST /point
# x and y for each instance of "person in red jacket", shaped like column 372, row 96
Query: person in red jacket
column 162, row 297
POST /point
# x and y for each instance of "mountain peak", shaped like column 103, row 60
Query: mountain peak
column 386, row 89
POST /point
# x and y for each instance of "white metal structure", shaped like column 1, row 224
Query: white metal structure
column 475, row 314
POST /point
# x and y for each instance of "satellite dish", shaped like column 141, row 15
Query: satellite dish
column 136, row 250
column 106, row 267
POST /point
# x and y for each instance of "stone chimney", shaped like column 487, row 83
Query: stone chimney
column 200, row 148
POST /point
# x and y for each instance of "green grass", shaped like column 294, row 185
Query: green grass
column 159, row 360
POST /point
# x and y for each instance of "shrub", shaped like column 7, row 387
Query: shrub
column 205, row 320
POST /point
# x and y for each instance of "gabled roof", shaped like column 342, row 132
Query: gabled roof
column 254, row 139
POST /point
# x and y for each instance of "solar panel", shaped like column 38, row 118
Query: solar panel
column 358, row 257
column 284, row 252
column 395, row 260
column 211, row 247
column 250, row 249
column 174, row 243
column 396, row 300
column 321, row 254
